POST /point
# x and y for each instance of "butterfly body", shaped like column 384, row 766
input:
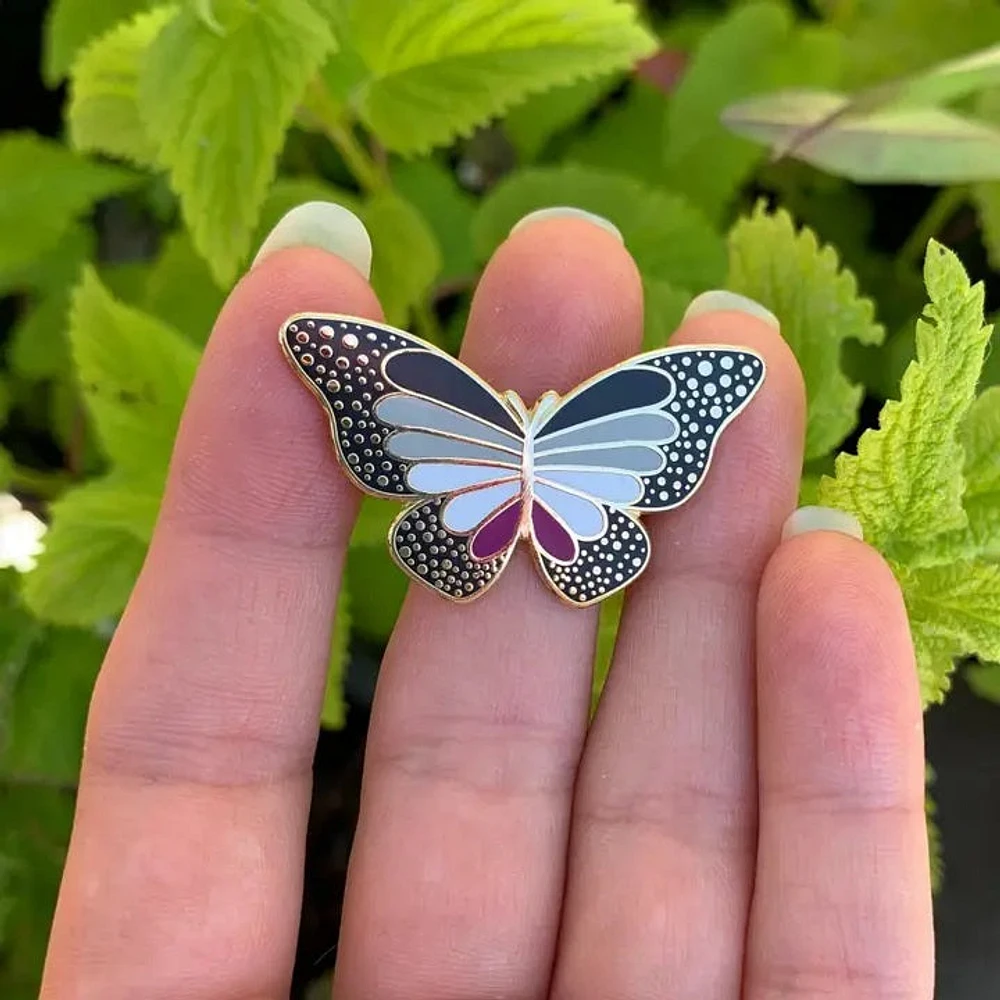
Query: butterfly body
column 570, row 475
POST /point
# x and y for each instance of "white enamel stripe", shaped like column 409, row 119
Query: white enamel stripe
column 415, row 445
column 435, row 478
column 403, row 410
column 600, row 484
column 584, row 518
column 652, row 426
column 467, row 510
column 644, row 459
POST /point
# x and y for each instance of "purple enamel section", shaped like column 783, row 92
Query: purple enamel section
column 552, row 536
column 496, row 534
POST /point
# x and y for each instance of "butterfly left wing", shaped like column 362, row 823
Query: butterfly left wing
column 637, row 438
column 411, row 423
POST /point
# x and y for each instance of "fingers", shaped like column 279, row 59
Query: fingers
column 186, row 859
column 457, row 873
column 842, row 904
column 662, row 854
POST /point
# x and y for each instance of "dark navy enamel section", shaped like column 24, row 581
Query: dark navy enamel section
column 630, row 389
column 713, row 385
column 437, row 377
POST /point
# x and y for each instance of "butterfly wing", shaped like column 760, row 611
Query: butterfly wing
column 411, row 423
column 637, row 438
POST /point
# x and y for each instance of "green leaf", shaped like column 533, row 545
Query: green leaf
column 531, row 124
column 334, row 713
column 405, row 255
column 627, row 138
column 897, row 38
column 94, row 549
column 71, row 24
column 103, row 114
column 905, row 484
column 954, row 611
column 755, row 49
column 818, row 304
column 49, row 707
column 888, row 146
column 217, row 107
column 35, row 825
column 135, row 373
column 45, row 187
column 180, row 289
column 38, row 348
column 437, row 70
column 934, row 847
column 669, row 239
column 377, row 587
column 446, row 208
column 984, row 679
column 373, row 523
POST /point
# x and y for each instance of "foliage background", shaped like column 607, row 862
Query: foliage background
column 181, row 132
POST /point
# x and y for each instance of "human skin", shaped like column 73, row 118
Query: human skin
column 744, row 818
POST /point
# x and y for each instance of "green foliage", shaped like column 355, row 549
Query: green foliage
column 217, row 105
column 45, row 188
column 818, row 305
column 103, row 111
column 436, row 70
column 984, row 679
column 669, row 239
column 228, row 113
column 755, row 49
column 906, row 483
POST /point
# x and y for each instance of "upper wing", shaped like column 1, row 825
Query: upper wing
column 641, row 436
column 403, row 414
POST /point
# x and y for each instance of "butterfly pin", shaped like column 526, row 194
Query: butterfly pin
column 480, row 470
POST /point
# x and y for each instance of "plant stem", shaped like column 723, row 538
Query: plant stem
column 364, row 167
column 940, row 210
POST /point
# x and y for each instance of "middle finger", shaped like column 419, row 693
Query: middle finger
column 665, row 819
column 456, row 878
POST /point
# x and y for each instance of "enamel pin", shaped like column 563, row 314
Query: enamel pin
column 480, row 470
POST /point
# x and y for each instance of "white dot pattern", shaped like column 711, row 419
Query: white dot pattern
column 712, row 385
column 344, row 360
column 604, row 565
column 437, row 557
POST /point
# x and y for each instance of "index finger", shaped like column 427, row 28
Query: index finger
column 185, row 865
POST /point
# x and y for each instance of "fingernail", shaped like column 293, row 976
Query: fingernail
column 723, row 301
column 568, row 212
column 807, row 519
column 324, row 225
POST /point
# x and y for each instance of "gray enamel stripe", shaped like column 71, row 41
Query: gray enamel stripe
column 434, row 478
column 653, row 426
column 464, row 512
column 583, row 517
column 646, row 459
column 425, row 444
column 416, row 413
column 610, row 487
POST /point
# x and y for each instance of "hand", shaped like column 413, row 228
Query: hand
column 744, row 818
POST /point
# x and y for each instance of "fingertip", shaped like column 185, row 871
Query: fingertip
column 560, row 290
column 833, row 628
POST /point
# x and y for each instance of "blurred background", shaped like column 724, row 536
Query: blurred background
column 151, row 269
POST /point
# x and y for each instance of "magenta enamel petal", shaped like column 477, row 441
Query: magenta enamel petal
column 551, row 535
column 496, row 534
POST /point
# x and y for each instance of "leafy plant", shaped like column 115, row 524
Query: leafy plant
column 197, row 124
